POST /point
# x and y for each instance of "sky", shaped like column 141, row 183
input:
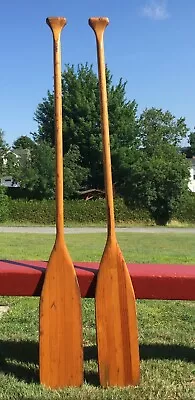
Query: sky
column 149, row 43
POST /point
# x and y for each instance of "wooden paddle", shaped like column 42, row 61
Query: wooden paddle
column 116, row 322
column 61, row 353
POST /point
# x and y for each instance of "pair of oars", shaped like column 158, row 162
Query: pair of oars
column 61, row 344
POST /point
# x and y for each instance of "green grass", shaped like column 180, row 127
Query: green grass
column 166, row 328
column 122, row 224
column 137, row 247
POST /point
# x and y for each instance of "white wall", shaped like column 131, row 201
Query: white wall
column 7, row 181
column 191, row 183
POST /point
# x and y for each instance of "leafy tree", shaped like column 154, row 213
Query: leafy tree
column 74, row 174
column 159, row 175
column 192, row 143
column 190, row 150
column 12, row 163
column 2, row 140
column 157, row 127
column 8, row 159
column 187, row 151
column 23, row 142
column 81, row 119
column 35, row 172
column 3, row 152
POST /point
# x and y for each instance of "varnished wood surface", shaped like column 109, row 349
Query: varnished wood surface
column 60, row 336
column 116, row 320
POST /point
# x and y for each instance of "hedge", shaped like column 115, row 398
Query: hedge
column 40, row 212
column 185, row 211
column 92, row 211
column 4, row 205
column 86, row 212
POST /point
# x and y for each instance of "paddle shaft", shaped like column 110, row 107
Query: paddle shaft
column 61, row 347
column 56, row 25
column 99, row 25
column 116, row 323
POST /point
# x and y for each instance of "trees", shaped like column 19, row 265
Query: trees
column 7, row 158
column 23, row 142
column 81, row 119
column 2, row 141
column 192, row 143
column 148, row 168
column 157, row 127
column 35, row 171
column 74, row 174
column 160, row 174
column 3, row 151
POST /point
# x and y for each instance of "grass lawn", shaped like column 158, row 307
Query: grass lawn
column 166, row 328
column 136, row 247
column 120, row 224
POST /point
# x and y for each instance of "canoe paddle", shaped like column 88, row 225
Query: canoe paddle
column 116, row 321
column 60, row 335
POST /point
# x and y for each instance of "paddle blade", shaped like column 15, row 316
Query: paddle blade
column 116, row 321
column 60, row 341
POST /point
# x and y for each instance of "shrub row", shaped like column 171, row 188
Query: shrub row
column 4, row 205
column 93, row 211
column 33, row 211
column 185, row 211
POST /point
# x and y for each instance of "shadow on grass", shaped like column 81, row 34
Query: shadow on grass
column 167, row 352
column 21, row 358
column 155, row 351
column 90, row 354
column 13, row 354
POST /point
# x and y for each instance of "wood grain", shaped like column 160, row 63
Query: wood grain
column 60, row 338
column 116, row 320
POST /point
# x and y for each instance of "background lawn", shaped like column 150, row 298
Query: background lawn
column 166, row 328
column 136, row 247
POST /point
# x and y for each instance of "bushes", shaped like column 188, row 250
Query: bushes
column 185, row 211
column 123, row 213
column 4, row 205
column 85, row 212
column 94, row 211
column 33, row 211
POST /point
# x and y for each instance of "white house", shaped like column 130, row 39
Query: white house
column 191, row 183
column 7, row 181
